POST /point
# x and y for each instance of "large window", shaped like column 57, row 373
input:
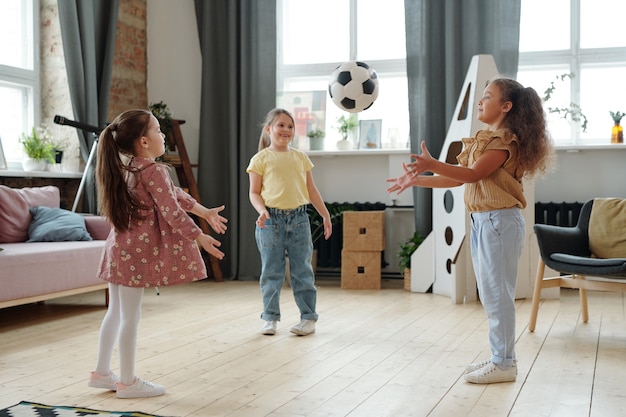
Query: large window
column 314, row 37
column 584, row 38
column 19, row 72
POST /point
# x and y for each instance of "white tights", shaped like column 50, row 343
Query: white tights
column 121, row 319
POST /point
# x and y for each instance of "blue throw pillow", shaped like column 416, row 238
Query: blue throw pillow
column 56, row 225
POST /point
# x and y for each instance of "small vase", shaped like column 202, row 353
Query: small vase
column 617, row 133
column 345, row 144
column 30, row 164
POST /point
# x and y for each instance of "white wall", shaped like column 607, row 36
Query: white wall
column 584, row 174
column 175, row 64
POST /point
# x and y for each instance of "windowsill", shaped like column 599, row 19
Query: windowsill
column 19, row 173
column 599, row 147
column 359, row 152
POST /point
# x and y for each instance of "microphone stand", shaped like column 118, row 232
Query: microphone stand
column 95, row 131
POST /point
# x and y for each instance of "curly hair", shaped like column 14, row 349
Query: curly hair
column 527, row 120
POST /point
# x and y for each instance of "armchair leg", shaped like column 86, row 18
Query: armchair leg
column 584, row 307
column 534, row 308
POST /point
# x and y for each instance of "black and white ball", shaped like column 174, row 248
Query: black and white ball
column 353, row 86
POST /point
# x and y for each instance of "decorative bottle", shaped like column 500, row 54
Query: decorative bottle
column 617, row 133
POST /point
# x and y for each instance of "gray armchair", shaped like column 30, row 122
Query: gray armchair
column 567, row 250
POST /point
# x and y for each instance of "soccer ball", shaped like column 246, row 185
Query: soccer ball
column 353, row 86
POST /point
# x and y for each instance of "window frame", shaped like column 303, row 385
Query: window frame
column 28, row 80
column 575, row 59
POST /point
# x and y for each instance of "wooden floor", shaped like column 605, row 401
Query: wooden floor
column 375, row 353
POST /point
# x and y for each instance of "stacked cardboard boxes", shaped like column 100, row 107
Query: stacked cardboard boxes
column 363, row 243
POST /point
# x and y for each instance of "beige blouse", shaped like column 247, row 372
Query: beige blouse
column 503, row 188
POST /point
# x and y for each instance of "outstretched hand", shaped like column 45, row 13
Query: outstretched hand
column 423, row 162
column 210, row 244
column 215, row 220
column 402, row 182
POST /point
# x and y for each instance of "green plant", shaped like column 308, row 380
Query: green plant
column 573, row 112
column 37, row 146
column 316, row 134
column 617, row 116
column 164, row 116
column 346, row 125
column 317, row 223
column 407, row 248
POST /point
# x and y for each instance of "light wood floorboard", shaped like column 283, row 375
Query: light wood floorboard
column 375, row 353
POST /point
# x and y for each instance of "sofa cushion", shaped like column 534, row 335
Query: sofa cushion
column 14, row 204
column 56, row 225
column 607, row 228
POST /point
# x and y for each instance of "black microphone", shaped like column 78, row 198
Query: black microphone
column 60, row 120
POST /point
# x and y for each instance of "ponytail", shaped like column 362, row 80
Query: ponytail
column 116, row 200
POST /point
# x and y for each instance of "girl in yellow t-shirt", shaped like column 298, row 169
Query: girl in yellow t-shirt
column 281, row 186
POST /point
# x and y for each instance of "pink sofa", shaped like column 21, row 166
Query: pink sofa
column 65, row 256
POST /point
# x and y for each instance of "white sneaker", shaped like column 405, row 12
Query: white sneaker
column 305, row 327
column 139, row 389
column 490, row 374
column 477, row 365
column 103, row 381
column 269, row 328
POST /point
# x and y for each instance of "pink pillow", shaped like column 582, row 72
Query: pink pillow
column 14, row 204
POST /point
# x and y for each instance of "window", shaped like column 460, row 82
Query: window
column 19, row 73
column 314, row 37
column 580, row 37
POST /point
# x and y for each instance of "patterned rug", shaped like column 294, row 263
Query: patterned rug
column 28, row 409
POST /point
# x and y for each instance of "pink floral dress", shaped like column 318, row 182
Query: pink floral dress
column 160, row 249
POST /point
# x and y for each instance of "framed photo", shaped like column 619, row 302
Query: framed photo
column 369, row 134
column 3, row 162
column 307, row 107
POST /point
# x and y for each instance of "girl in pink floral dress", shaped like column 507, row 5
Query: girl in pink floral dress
column 153, row 241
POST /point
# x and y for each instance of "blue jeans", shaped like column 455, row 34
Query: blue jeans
column 497, row 239
column 287, row 232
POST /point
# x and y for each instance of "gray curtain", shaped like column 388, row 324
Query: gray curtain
column 441, row 39
column 88, row 30
column 238, row 44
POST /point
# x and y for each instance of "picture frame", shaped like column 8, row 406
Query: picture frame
column 3, row 161
column 370, row 134
column 308, row 109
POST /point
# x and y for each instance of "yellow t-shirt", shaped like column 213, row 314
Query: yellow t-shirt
column 503, row 188
column 284, row 177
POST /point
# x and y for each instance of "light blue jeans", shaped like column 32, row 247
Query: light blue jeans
column 287, row 232
column 497, row 239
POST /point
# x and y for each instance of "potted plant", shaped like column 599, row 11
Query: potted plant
column 573, row 112
column 346, row 126
column 404, row 256
column 617, row 133
column 164, row 116
column 316, row 139
column 38, row 150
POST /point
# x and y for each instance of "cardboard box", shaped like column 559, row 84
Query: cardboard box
column 364, row 230
column 360, row 270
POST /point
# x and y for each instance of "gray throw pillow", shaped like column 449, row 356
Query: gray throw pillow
column 56, row 225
